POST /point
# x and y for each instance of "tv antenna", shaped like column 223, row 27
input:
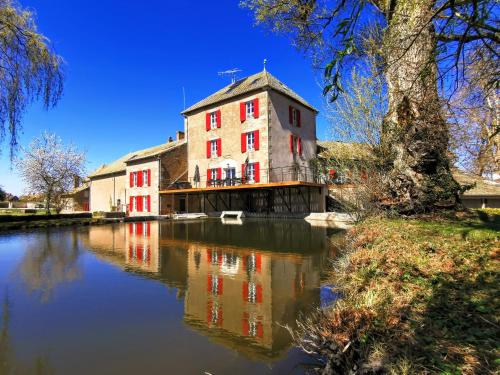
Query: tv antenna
column 231, row 73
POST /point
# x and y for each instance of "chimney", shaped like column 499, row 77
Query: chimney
column 76, row 181
column 179, row 135
column 170, row 139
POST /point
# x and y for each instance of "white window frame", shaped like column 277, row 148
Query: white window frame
column 295, row 117
column 251, row 141
column 145, row 177
column 213, row 174
column 144, row 203
column 251, row 172
column 250, row 109
column 213, row 120
column 135, row 178
column 135, row 203
column 213, row 148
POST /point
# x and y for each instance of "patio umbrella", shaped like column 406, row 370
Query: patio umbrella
column 196, row 177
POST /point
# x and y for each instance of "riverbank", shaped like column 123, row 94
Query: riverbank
column 419, row 296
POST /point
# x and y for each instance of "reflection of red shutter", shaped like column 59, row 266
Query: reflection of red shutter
column 130, row 228
column 298, row 119
column 130, row 251
column 140, row 229
column 209, row 283
column 219, row 258
column 219, row 286
column 219, row 317
column 243, row 142
column 256, row 139
column 290, row 114
column 207, row 121
column 244, row 263
column 208, row 150
column 245, row 326
column 243, row 114
column 139, row 251
column 219, row 147
column 209, row 256
column 256, row 172
column 209, row 312
column 244, row 293
column 149, row 177
column 131, row 179
column 259, row 293
column 219, row 173
column 256, row 108
column 148, row 201
column 260, row 330
column 217, row 114
column 131, row 208
column 258, row 262
column 148, row 229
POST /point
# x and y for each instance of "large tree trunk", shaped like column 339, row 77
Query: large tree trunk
column 415, row 134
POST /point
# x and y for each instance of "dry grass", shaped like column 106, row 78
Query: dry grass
column 419, row 295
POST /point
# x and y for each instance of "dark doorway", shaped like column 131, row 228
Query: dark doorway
column 182, row 204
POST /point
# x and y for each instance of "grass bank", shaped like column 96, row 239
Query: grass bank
column 419, row 296
column 15, row 225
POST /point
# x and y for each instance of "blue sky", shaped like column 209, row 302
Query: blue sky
column 127, row 62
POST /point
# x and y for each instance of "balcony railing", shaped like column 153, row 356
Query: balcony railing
column 278, row 174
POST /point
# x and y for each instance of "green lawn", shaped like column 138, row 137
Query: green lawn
column 419, row 295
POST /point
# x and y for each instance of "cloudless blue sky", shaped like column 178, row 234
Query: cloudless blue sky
column 127, row 62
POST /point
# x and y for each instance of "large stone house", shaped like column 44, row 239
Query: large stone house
column 250, row 147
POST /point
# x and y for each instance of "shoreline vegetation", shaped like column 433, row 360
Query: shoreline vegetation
column 419, row 296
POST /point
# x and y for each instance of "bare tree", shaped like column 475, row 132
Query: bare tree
column 474, row 116
column 48, row 167
column 29, row 68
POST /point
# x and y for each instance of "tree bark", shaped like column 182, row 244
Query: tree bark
column 415, row 135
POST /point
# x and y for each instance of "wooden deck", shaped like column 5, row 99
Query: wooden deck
column 242, row 187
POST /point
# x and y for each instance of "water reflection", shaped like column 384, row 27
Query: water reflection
column 240, row 283
column 50, row 261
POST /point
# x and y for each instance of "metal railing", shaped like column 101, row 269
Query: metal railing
column 277, row 174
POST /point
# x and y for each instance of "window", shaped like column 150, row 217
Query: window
column 145, row 203
column 134, row 199
column 213, row 120
column 250, row 141
column 213, row 174
column 250, row 108
column 135, row 178
column 295, row 119
column 213, row 148
column 230, row 173
column 251, row 172
column 145, row 177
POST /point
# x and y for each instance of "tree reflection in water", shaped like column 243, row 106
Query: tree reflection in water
column 50, row 260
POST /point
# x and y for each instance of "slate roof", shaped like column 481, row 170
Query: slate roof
column 120, row 164
column 261, row 80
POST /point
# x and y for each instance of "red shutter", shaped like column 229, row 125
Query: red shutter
column 219, row 147
column 149, row 203
column 139, row 178
column 208, row 176
column 131, row 208
column 219, row 173
column 139, row 203
column 207, row 119
column 243, row 142
column 208, row 150
column 291, row 143
column 256, row 139
column 290, row 114
column 256, row 108
column 149, row 177
column 259, row 293
column 131, row 179
column 256, row 172
column 298, row 119
column 243, row 112
column 217, row 114
column 219, row 286
column 299, row 146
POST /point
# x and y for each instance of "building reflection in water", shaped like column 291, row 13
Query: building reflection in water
column 241, row 283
